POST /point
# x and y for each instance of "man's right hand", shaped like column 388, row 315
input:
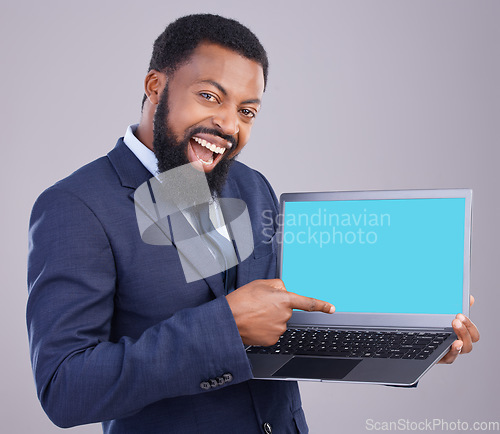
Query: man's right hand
column 262, row 308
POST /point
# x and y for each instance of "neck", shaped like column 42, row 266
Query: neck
column 144, row 132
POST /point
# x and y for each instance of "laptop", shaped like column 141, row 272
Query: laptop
column 396, row 266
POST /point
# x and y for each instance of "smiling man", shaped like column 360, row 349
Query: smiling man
column 117, row 333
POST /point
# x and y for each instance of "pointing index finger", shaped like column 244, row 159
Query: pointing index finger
column 309, row 304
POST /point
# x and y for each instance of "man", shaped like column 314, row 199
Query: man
column 117, row 334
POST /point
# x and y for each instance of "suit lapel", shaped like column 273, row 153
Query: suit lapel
column 129, row 169
column 231, row 190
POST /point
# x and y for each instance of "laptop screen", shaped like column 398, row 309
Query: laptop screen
column 376, row 255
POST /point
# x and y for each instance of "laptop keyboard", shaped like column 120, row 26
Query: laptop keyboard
column 355, row 343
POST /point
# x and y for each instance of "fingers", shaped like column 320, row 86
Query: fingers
column 467, row 334
column 465, row 329
column 471, row 327
column 309, row 304
column 455, row 350
column 472, row 300
column 303, row 303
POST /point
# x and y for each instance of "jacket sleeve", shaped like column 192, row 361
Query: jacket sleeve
column 83, row 377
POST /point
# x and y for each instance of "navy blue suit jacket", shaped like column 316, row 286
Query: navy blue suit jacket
column 118, row 336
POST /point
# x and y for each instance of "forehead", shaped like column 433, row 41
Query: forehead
column 211, row 62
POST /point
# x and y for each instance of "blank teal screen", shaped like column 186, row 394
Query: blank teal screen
column 387, row 256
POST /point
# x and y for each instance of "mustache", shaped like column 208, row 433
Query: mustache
column 213, row 132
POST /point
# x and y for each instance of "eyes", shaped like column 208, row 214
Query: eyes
column 248, row 113
column 208, row 96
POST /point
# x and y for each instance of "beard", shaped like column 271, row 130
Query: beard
column 171, row 152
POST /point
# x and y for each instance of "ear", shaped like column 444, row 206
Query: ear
column 154, row 84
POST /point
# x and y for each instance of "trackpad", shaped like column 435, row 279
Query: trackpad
column 316, row 367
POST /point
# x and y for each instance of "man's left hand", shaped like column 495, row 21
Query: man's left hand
column 467, row 334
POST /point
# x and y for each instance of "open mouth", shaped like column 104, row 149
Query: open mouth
column 206, row 152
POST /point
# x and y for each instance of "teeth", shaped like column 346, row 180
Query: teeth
column 205, row 162
column 209, row 145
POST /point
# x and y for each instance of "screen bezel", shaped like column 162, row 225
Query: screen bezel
column 383, row 319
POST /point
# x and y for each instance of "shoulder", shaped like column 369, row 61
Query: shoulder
column 239, row 169
column 75, row 195
column 253, row 187
column 89, row 179
column 248, row 179
column 94, row 189
column 100, row 181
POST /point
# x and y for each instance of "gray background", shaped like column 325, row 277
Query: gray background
column 362, row 95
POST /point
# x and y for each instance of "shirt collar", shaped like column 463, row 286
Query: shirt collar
column 145, row 155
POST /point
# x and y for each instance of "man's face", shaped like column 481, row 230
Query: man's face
column 207, row 110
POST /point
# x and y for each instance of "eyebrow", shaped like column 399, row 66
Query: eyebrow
column 224, row 92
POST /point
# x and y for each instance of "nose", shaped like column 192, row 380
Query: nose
column 226, row 120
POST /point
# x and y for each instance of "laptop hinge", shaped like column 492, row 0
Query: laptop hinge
column 364, row 327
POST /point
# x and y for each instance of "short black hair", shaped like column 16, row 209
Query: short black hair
column 178, row 41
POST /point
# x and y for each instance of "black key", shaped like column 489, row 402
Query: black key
column 396, row 356
column 424, row 339
column 409, row 356
column 421, row 356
